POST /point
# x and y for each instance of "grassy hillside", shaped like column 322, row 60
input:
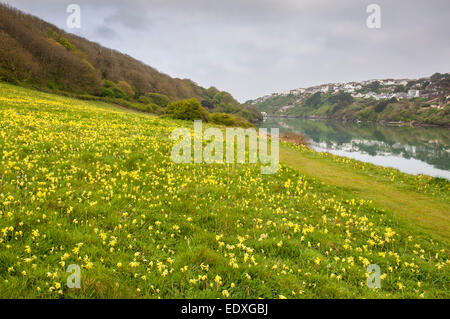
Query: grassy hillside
column 273, row 104
column 37, row 54
column 84, row 183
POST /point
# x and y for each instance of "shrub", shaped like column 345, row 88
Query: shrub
column 159, row 99
column 223, row 119
column 208, row 104
column 125, row 87
column 111, row 90
column 252, row 114
column 229, row 120
column 190, row 110
column 65, row 43
column 242, row 122
column 154, row 108
column 108, row 84
column 107, row 92
column 144, row 100
column 118, row 93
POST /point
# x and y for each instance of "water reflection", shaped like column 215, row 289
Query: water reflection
column 414, row 150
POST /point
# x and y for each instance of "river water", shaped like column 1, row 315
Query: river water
column 413, row 150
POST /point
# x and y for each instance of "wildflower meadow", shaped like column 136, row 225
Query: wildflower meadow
column 85, row 184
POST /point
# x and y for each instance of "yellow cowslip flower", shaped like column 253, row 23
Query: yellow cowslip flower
column 184, row 269
column 204, row 267
column 218, row 280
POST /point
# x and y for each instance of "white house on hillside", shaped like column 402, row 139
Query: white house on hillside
column 413, row 93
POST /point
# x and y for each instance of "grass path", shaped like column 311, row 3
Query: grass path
column 423, row 210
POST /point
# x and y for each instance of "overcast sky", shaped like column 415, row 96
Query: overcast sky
column 255, row 47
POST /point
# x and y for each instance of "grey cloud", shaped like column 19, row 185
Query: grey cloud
column 106, row 32
column 254, row 47
column 129, row 18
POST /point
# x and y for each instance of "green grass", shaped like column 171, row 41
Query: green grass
column 85, row 183
column 408, row 197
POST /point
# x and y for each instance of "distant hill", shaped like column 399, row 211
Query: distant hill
column 425, row 101
column 36, row 53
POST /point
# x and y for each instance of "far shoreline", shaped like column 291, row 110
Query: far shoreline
column 382, row 122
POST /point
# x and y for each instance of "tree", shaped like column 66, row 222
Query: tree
column 125, row 87
column 381, row 106
column 435, row 77
column 34, row 51
column 400, row 89
column 314, row 100
column 111, row 90
column 341, row 99
column 374, row 86
column 208, row 104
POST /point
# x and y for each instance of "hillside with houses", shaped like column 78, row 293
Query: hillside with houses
column 421, row 101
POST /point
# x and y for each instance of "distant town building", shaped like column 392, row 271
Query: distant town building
column 357, row 95
column 325, row 89
column 400, row 96
column 413, row 93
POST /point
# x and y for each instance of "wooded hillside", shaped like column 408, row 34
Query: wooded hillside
column 36, row 53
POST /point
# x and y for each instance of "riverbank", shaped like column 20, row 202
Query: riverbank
column 413, row 150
